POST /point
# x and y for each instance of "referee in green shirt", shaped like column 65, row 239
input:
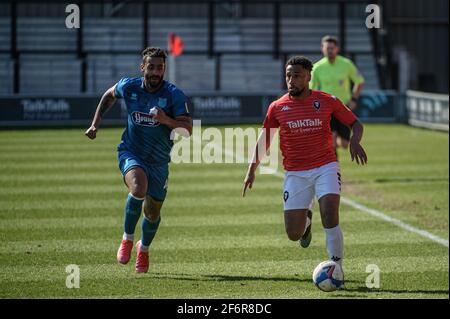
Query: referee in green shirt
column 333, row 74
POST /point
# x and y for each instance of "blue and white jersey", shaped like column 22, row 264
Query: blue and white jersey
column 145, row 137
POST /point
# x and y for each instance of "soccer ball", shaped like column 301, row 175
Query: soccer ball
column 328, row 276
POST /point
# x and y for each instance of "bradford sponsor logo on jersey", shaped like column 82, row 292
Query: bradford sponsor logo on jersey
column 145, row 119
column 304, row 123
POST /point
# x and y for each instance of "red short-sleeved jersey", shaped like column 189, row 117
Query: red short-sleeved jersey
column 305, row 133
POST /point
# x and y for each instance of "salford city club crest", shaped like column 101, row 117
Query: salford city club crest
column 316, row 105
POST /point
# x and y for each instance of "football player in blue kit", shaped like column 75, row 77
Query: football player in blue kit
column 155, row 107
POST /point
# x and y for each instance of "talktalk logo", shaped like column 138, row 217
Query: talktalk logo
column 304, row 123
column 144, row 119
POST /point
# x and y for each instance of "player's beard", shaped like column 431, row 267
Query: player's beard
column 296, row 92
column 151, row 81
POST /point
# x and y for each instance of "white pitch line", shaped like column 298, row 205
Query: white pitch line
column 395, row 221
column 367, row 210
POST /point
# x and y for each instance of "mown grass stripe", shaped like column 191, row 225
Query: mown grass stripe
column 272, row 268
column 191, row 230
column 212, row 241
column 224, row 187
column 191, row 254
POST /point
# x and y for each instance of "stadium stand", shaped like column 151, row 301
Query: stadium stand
column 49, row 74
column 246, row 62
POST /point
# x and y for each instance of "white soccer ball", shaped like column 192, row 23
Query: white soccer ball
column 328, row 276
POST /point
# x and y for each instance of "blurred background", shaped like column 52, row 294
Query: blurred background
column 232, row 59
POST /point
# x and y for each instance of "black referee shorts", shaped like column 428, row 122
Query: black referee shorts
column 340, row 128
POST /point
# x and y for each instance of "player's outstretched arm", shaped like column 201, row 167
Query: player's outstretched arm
column 108, row 99
column 261, row 148
column 357, row 152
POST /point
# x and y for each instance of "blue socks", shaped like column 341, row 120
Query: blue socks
column 148, row 231
column 133, row 208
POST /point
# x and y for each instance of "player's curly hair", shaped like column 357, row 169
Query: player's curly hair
column 154, row 52
column 300, row 60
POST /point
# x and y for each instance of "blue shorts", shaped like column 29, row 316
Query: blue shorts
column 157, row 175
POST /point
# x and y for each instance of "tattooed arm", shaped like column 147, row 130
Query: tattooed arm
column 108, row 99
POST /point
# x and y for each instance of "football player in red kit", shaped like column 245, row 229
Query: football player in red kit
column 311, row 167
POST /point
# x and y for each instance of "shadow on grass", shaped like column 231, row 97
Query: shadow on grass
column 366, row 290
column 346, row 292
column 411, row 180
column 233, row 278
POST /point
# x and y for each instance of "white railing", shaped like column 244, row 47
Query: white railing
column 428, row 110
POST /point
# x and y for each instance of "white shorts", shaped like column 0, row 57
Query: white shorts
column 301, row 186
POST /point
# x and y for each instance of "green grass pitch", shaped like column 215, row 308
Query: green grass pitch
column 62, row 199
